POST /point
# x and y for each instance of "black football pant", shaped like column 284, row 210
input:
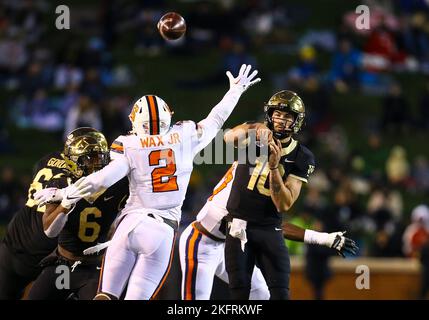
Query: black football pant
column 62, row 279
column 265, row 248
column 15, row 275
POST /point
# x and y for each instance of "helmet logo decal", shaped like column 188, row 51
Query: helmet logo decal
column 133, row 112
column 310, row 170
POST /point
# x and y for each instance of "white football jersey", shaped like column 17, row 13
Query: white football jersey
column 210, row 216
column 160, row 168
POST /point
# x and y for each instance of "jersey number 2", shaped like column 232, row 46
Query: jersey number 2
column 163, row 178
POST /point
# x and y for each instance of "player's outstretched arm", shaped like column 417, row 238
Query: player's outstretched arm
column 54, row 219
column 208, row 127
column 293, row 232
column 334, row 240
column 239, row 135
column 108, row 176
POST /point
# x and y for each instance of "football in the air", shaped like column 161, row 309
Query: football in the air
column 172, row 26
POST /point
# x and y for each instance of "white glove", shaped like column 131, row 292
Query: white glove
column 48, row 195
column 243, row 81
column 334, row 240
column 73, row 193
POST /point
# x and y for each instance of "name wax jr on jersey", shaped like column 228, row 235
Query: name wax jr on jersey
column 159, row 141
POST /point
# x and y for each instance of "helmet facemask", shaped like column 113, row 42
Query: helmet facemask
column 93, row 161
column 288, row 131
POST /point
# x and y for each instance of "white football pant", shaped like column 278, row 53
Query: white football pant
column 142, row 257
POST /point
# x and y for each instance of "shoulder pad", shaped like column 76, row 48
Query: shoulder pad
column 306, row 153
column 305, row 158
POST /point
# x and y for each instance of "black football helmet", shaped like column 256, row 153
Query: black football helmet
column 85, row 151
column 290, row 102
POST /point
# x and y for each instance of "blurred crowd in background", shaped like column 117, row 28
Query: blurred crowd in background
column 81, row 83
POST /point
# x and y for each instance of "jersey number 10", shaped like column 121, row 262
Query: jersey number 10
column 260, row 174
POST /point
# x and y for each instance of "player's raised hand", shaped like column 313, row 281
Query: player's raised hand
column 243, row 81
column 275, row 154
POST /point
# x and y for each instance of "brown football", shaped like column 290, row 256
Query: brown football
column 172, row 26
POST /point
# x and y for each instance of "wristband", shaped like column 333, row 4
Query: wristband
column 314, row 237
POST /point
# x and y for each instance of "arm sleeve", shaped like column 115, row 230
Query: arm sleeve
column 216, row 118
column 109, row 175
column 57, row 225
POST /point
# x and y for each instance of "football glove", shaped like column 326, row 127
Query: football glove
column 243, row 81
column 342, row 244
column 48, row 195
column 74, row 192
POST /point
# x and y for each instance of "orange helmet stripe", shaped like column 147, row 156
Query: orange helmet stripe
column 153, row 114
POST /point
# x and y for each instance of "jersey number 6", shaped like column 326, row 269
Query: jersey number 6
column 163, row 178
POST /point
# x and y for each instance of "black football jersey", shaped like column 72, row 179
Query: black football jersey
column 89, row 222
column 25, row 235
column 250, row 197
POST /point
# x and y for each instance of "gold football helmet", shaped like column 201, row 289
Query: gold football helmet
column 290, row 102
column 85, row 151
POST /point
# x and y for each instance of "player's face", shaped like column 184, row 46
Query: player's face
column 93, row 162
column 282, row 120
column 146, row 126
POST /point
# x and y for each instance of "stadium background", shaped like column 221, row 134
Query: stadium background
column 366, row 92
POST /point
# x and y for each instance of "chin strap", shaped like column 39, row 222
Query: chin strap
column 281, row 136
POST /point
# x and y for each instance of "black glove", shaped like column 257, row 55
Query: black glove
column 343, row 244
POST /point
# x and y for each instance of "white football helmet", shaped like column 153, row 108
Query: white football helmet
column 150, row 115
